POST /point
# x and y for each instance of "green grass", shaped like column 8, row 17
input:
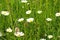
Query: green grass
column 36, row 29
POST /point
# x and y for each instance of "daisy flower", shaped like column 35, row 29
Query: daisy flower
column 39, row 12
column 42, row 39
column 30, row 19
column 57, row 14
column 18, row 34
column 6, row 13
column 8, row 30
column 48, row 19
column 24, row 1
column 28, row 12
column 21, row 34
column 21, row 19
column 50, row 36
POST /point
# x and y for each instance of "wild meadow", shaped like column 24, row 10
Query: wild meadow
column 29, row 19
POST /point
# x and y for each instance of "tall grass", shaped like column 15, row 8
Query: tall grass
column 36, row 29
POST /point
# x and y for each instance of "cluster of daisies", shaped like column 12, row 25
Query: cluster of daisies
column 49, row 36
column 19, row 33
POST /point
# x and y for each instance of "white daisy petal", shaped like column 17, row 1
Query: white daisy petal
column 21, row 34
column 42, row 39
column 6, row 13
column 24, row 1
column 8, row 30
column 39, row 12
column 50, row 36
column 21, row 19
column 57, row 14
column 30, row 19
column 18, row 34
column 48, row 19
column 28, row 12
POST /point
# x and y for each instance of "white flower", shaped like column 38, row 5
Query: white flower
column 21, row 19
column 18, row 34
column 57, row 14
column 24, row 1
column 50, row 36
column 21, row 34
column 48, row 19
column 42, row 39
column 6, row 13
column 0, row 34
column 39, row 12
column 28, row 12
column 30, row 19
column 9, row 30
